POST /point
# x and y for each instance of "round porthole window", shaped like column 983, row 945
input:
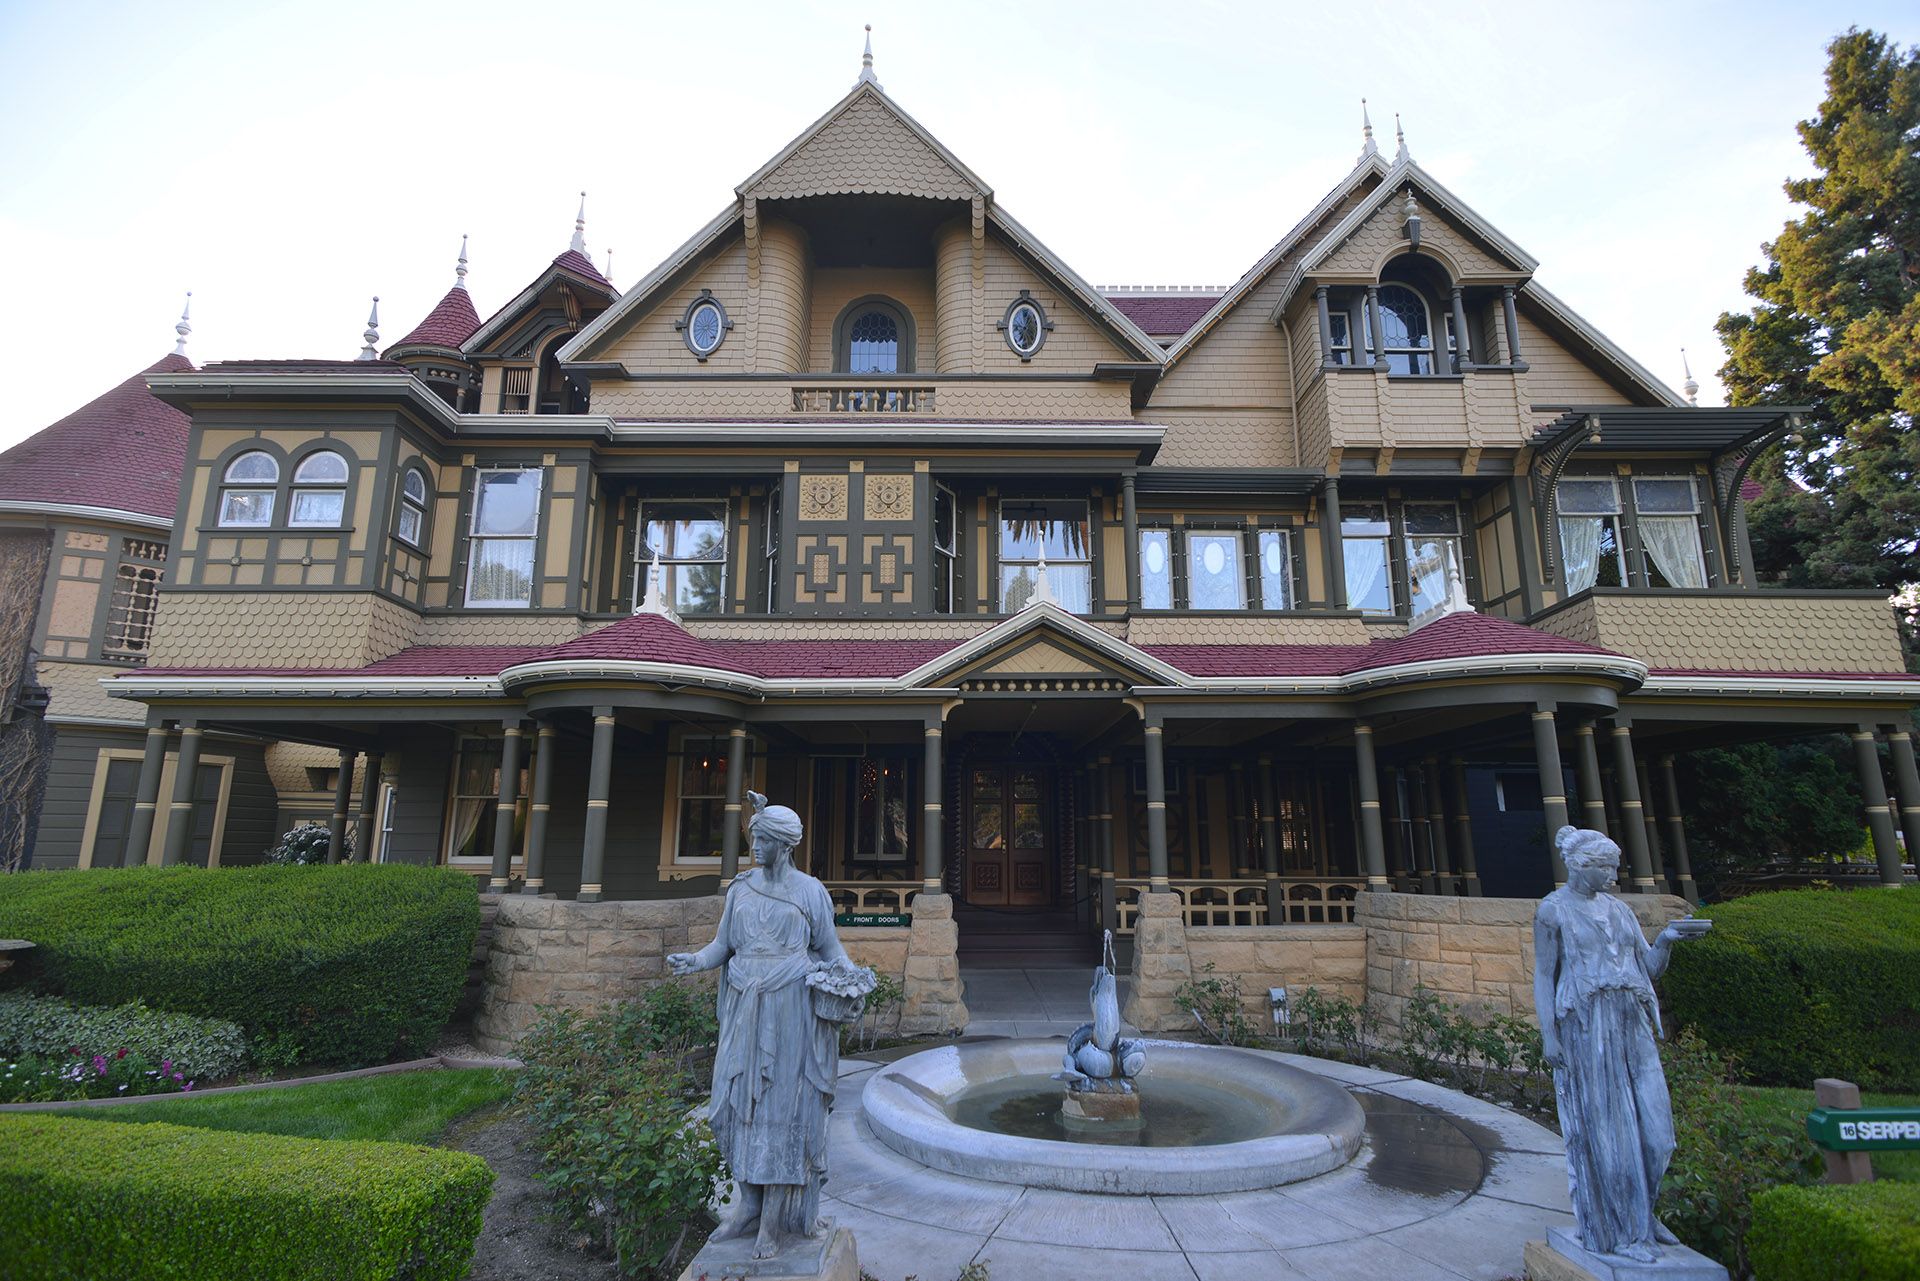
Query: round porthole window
column 1025, row 326
column 1272, row 556
column 705, row 325
column 1156, row 557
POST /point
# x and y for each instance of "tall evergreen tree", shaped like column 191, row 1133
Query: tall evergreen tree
column 1836, row 326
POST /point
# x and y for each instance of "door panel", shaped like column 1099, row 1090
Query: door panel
column 116, row 813
column 1009, row 850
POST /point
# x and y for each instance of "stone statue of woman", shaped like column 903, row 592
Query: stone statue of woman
column 786, row 984
column 1593, row 993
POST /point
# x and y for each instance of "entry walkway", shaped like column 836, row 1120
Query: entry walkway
column 1033, row 1000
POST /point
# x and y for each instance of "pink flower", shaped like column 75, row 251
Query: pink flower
column 100, row 1064
column 179, row 1076
column 166, row 1066
column 121, row 1053
column 188, row 1086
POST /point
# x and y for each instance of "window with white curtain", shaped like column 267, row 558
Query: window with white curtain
column 319, row 491
column 1667, row 514
column 1591, row 551
column 412, row 516
column 476, row 800
column 1365, row 540
column 502, row 533
column 246, row 497
column 1057, row 531
column 1432, row 549
column 1156, row 569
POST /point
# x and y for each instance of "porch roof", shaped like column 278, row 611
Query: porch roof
column 1653, row 429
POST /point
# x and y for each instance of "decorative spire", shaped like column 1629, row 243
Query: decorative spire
column 1042, row 589
column 1410, row 213
column 373, row 332
column 183, row 328
column 866, row 63
column 460, row 270
column 579, row 242
column 608, row 273
column 655, row 602
column 1400, row 157
column 1367, row 145
column 1691, row 386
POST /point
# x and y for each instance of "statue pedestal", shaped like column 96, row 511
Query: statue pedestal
column 828, row 1257
column 1561, row 1257
column 1101, row 1105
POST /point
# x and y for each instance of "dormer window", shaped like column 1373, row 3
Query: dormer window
column 873, row 336
column 247, row 498
column 1409, row 335
column 319, row 491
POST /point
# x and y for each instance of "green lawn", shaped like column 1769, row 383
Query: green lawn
column 399, row 1107
column 1787, row 1110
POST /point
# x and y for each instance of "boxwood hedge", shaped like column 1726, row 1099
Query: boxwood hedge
column 1808, row 983
column 1863, row 1232
column 349, row 964
column 81, row 1200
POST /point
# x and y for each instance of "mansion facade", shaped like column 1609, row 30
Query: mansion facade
column 1369, row 570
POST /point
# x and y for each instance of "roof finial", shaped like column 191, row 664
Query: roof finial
column 1367, row 145
column 608, row 273
column 460, row 270
column 373, row 332
column 183, row 328
column 1400, row 156
column 866, row 63
column 1691, row 386
column 579, row 242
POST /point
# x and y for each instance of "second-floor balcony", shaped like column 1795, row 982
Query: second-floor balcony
column 867, row 396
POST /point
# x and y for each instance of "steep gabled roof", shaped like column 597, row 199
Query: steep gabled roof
column 1170, row 314
column 569, row 266
column 120, row 452
column 1406, row 172
column 450, row 323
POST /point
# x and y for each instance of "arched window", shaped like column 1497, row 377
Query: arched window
column 1409, row 345
column 411, row 520
column 873, row 337
column 319, row 491
column 246, row 496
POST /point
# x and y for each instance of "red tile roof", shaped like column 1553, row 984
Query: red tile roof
column 653, row 639
column 450, row 323
column 1462, row 635
column 300, row 366
column 1162, row 314
column 1791, row 676
column 1750, row 489
column 580, row 264
column 122, row 450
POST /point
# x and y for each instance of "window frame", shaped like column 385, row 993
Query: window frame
column 147, row 559
column 671, row 866
column 406, row 502
column 476, row 540
column 668, row 564
column 1042, row 325
column 1458, row 540
column 1623, row 566
column 1386, row 539
column 843, row 334
column 1001, row 562
column 1388, row 351
column 1637, row 518
column 684, row 325
column 485, row 823
column 230, row 486
column 297, row 488
column 1193, row 530
column 946, row 560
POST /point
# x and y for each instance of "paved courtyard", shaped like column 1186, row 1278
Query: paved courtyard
column 1445, row 1187
column 1028, row 1000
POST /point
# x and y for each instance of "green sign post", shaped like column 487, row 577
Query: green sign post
column 1864, row 1129
column 868, row 919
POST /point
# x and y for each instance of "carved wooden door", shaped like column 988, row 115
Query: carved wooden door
column 1009, row 851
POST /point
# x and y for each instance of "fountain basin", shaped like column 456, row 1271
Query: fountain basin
column 1296, row 1125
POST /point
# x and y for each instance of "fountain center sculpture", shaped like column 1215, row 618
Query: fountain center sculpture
column 1100, row 1064
column 1599, row 1021
column 786, row 986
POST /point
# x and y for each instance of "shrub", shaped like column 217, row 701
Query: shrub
column 1861, row 1231
column 1807, row 983
column 307, row 843
column 626, row 1159
column 46, row 1026
column 888, row 998
column 350, row 964
column 86, row 1199
column 1215, row 1004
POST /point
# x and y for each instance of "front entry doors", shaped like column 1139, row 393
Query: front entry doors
column 1009, row 836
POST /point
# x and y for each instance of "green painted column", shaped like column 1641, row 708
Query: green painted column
column 1655, row 845
column 1463, row 830
column 1242, row 837
column 1906, row 779
column 342, row 798
column 736, row 783
column 369, row 810
column 593, row 848
column 933, row 814
column 1270, row 843
column 180, row 812
column 1553, row 784
column 1103, row 824
column 540, row 809
column 508, row 798
column 146, row 797
column 1437, row 827
column 1873, row 789
column 1633, row 823
column 1593, row 799
column 1677, row 833
column 1373, row 849
column 1156, row 811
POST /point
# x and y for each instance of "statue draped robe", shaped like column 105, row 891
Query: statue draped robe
column 1615, row 1113
column 773, row 1075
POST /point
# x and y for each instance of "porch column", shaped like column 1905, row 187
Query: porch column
column 1626, row 782
column 1462, row 359
column 337, row 821
column 369, row 809
column 730, row 822
column 1593, row 800
column 1463, row 830
column 593, row 846
column 1873, row 790
column 1906, row 779
column 508, row 798
column 1677, row 832
column 1270, row 843
column 1130, row 531
column 1422, row 830
column 140, row 827
column 1103, row 827
column 1157, row 811
column 932, row 815
column 1379, row 328
column 1326, row 331
column 1373, row 853
column 1437, row 826
column 1237, row 797
column 1086, row 860
column 1649, row 813
column 1336, row 554
column 1397, row 847
column 1553, row 784
column 180, row 812
column 543, row 750
column 1513, row 326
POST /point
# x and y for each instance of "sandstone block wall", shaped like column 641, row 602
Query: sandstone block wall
column 1332, row 958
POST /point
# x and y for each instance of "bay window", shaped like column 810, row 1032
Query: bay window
column 501, row 535
column 1055, row 531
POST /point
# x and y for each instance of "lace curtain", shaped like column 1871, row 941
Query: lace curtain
column 1580, row 551
column 1367, row 573
column 1673, row 542
column 466, row 819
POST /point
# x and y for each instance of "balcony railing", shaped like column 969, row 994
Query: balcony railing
column 864, row 398
column 861, row 898
column 1303, row 901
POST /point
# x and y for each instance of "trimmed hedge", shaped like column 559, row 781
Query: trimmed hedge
column 81, row 1200
column 1808, row 983
column 349, row 964
column 1862, row 1231
column 49, row 1027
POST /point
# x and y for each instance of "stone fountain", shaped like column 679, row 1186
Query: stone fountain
column 1100, row 1064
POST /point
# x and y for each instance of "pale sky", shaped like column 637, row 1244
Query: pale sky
column 286, row 162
